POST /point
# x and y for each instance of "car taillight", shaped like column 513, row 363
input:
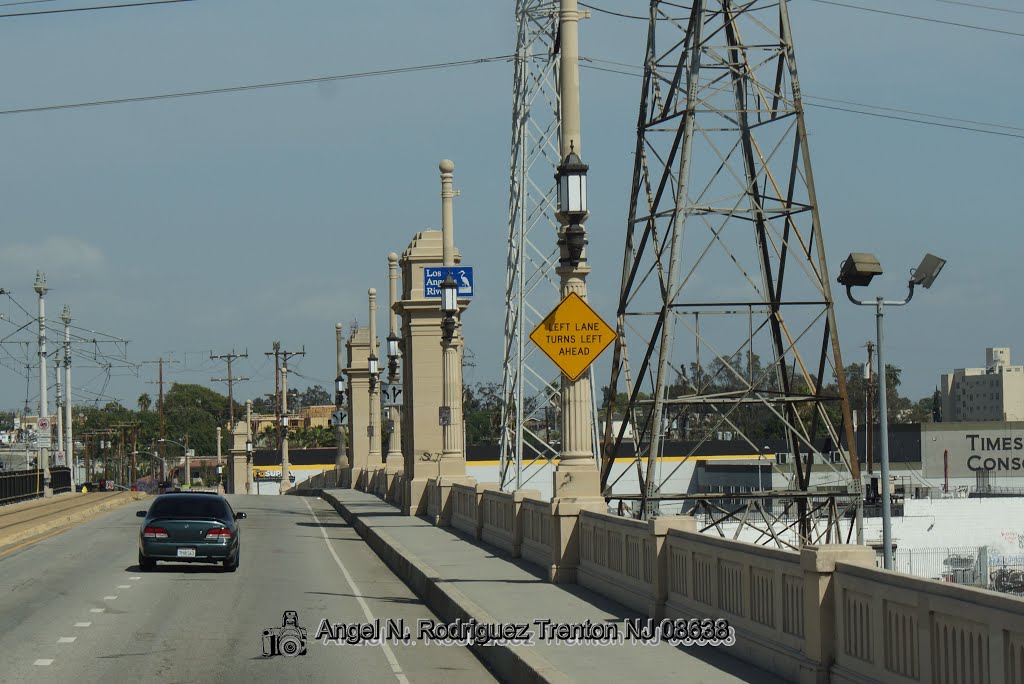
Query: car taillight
column 154, row 533
column 218, row 533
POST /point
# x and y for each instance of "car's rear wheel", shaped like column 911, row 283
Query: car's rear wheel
column 146, row 564
column 231, row 564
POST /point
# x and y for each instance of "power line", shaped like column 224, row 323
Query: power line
column 261, row 86
column 919, row 121
column 986, row 7
column 909, row 111
column 88, row 9
column 614, row 14
column 970, row 128
column 913, row 16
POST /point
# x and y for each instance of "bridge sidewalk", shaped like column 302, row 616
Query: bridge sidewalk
column 461, row 578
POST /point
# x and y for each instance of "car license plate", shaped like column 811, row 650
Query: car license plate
column 186, row 553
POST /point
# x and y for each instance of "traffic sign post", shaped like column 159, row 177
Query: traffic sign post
column 43, row 424
column 573, row 336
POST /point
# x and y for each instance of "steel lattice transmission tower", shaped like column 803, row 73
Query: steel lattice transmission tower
column 725, row 309
column 531, row 384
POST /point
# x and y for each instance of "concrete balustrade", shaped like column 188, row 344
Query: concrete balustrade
column 616, row 556
column 501, row 516
column 825, row 614
column 537, row 523
column 465, row 505
column 894, row 627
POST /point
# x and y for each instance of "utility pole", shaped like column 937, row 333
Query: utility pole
column 160, row 407
column 58, row 404
column 281, row 407
column 69, row 441
column 44, row 405
column 285, row 475
column 869, row 424
column 230, row 381
column 277, row 392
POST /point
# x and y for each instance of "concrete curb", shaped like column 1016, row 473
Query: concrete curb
column 510, row 663
column 69, row 518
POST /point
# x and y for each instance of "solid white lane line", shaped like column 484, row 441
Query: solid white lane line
column 83, row 624
column 395, row 667
column 66, row 640
column 43, row 661
column 109, row 598
column 96, row 610
column 124, row 586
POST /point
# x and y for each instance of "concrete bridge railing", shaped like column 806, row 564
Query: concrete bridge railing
column 502, row 518
column 825, row 614
column 465, row 508
column 537, row 523
column 890, row 626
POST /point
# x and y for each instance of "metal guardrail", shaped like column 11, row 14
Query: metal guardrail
column 20, row 485
column 60, row 480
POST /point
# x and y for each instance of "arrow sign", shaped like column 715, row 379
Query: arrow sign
column 391, row 394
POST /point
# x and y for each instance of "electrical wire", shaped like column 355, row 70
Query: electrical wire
column 970, row 128
column 913, row 16
column 90, row 9
column 976, row 6
column 262, row 86
column 918, row 121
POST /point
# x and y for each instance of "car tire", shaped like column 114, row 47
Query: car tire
column 146, row 564
column 231, row 564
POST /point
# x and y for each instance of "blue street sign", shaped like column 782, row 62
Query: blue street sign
column 433, row 276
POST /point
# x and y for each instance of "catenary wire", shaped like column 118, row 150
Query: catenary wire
column 919, row 18
column 261, row 86
column 91, row 9
column 977, row 6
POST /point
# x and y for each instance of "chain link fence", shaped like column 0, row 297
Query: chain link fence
column 973, row 566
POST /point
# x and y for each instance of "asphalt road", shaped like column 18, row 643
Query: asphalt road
column 75, row 607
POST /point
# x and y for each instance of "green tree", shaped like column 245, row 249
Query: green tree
column 144, row 402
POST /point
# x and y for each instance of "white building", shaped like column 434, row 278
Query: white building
column 992, row 393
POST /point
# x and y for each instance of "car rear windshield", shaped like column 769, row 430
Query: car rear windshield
column 190, row 506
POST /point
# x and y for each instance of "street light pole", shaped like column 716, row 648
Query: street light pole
column 576, row 475
column 284, row 428
column 44, row 404
column 858, row 270
column 374, row 459
column 69, row 443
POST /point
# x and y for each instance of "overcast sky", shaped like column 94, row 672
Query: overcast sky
column 227, row 221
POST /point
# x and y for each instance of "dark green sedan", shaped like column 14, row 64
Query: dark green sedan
column 193, row 527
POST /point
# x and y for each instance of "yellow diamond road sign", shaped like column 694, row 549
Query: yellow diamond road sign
column 572, row 336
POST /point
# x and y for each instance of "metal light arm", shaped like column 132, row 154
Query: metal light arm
column 879, row 301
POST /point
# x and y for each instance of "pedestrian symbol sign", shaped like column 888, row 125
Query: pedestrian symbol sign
column 573, row 336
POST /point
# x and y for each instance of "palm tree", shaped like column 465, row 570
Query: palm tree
column 144, row 402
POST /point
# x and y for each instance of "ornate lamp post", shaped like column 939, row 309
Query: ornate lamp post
column 451, row 408
column 572, row 205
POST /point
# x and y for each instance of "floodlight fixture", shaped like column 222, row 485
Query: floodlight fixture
column 927, row 271
column 858, row 269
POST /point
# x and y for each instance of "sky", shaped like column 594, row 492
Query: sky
column 224, row 222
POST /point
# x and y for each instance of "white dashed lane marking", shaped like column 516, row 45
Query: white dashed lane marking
column 43, row 661
column 135, row 578
column 109, row 598
column 124, row 586
column 83, row 624
column 96, row 610
column 66, row 640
